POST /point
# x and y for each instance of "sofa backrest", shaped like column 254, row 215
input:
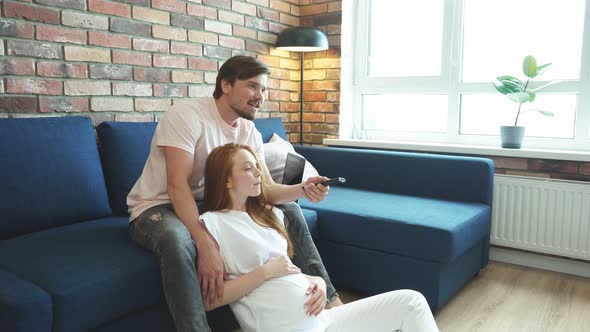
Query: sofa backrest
column 50, row 174
column 124, row 149
column 458, row 178
column 268, row 127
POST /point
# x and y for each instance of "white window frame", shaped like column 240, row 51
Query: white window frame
column 356, row 83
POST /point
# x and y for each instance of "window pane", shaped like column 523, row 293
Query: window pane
column 405, row 39
column 499, row 34
column 484, row 114
column 405, row 113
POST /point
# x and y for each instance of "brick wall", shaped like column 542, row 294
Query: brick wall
column 322, row 73
column 545, row 168
column 129, row 60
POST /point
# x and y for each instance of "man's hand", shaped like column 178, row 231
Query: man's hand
column 210, row 271
column 318, row 297
column 314, row 191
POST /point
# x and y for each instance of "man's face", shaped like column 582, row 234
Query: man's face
column 245, row 97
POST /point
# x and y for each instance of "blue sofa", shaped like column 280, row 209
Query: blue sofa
column 402, row 220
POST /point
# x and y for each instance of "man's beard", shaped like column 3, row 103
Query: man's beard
column 244, row 114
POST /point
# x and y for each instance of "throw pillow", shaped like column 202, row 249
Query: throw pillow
column 275, row 155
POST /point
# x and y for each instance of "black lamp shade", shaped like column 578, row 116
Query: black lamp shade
column 302, row 39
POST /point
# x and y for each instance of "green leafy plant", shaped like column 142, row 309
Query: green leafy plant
column 519, row 91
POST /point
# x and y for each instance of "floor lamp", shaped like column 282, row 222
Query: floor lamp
column 302, row 39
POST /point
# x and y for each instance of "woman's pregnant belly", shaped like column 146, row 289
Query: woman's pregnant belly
column 278, row 305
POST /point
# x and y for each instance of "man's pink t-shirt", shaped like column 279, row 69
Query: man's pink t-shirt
column 196, row 127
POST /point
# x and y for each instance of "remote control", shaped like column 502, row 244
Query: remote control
column 333, row 181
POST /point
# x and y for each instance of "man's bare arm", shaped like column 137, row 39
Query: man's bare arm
column 280, row 193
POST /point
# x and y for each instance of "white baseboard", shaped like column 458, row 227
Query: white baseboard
column 539, row 261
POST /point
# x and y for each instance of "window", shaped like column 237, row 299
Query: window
column 422, row 70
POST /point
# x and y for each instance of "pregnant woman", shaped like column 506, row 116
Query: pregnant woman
column 266, row 292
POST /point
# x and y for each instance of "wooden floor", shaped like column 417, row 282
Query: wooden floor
column 512, row 298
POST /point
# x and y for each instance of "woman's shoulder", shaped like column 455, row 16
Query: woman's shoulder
column 215, row 218
column 225, row 216
column 215, row 215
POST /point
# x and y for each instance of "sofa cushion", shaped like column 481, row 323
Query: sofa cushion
column 50, row 173
column 455, row 178
column 268, row 127
column 92, row 264
column 24, row 306
column 425, row 228
column 124, row 148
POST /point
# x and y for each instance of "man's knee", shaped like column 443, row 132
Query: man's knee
column 178, row 242
column 293, row 215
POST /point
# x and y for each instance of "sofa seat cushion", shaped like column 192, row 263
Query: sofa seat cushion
column 24, row 306
column 50, row 173
column 425, row 228
column 92, row 270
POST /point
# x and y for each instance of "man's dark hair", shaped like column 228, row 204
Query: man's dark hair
column 239, row 67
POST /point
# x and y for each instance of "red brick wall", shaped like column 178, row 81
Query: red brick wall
column 545, row 168
column 129, row 60
column 322, row 72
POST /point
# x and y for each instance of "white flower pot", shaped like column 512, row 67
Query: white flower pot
column 512, row 136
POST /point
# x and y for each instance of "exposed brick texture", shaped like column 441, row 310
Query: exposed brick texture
column 107, row 39
column 111, row 72
column 111, row 104
column 34, row 49
column 82, row 20
column 109, row 8
column 129, row 60
column 60, row 35
column 29, row 12
column 63, row 104
column 60, row 69
column 18, row 104
column 73, row 4
column 16, row 29
column 151, row 75
column 16, row 66
column 33, row 86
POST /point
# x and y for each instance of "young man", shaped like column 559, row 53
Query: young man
column 164, row 213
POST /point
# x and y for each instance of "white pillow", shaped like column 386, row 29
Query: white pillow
column 275, row 156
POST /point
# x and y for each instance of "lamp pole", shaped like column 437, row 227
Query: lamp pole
column 302, row 39
column 301, row 101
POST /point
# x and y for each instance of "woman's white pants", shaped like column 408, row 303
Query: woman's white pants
column 400, row 310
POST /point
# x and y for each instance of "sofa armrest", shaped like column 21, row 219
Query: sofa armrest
column 468, row 179
column 24, row 306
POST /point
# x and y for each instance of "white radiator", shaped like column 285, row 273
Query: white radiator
column 542, row 215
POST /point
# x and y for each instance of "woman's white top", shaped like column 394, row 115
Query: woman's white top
column 277, row 305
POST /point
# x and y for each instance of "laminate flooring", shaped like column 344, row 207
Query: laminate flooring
column 512, row 298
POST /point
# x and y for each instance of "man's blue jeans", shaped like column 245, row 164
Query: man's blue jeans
column 159, row 230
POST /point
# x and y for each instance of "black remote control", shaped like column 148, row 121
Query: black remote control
column 333, row 181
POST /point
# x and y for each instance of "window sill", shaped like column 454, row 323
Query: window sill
column 462, row 149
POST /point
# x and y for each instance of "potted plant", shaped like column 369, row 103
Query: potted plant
column 520, row 92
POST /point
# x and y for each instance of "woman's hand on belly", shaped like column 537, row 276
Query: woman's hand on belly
column 318, row 298
column 277, row 267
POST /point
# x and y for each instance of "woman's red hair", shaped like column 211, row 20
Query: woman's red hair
column 218, row 169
